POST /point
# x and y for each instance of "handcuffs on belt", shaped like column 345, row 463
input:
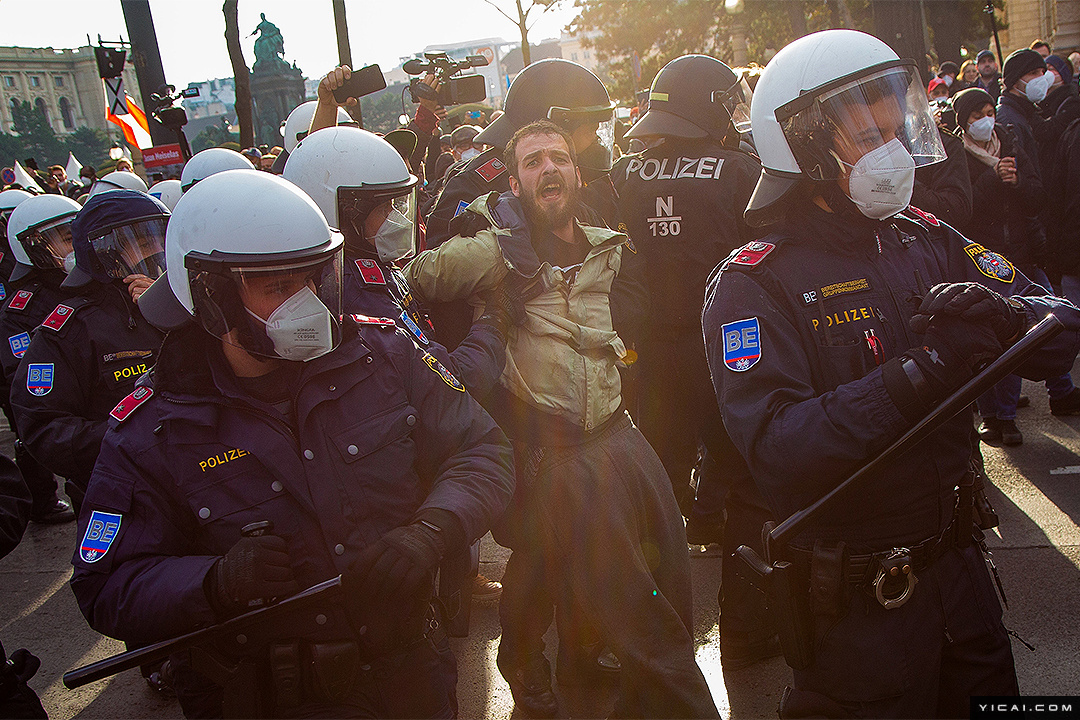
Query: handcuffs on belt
column 896, row 563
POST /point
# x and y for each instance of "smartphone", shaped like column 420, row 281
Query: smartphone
column 361, row 82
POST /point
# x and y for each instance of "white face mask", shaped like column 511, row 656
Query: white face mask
column 394, row 240
column 881, row 182
column 1036, row 89
column 69, row 262
column 300, row 328
column 467, row 155
column 948, row 81
column 981, row 129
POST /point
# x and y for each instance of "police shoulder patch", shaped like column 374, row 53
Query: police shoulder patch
column 413, row 328
column 492, row 169
column 461, row 205
column 370, row 272
column 3, row 289
column 742, row 344
column 59, row 317
column 439, row 369
column 101, row 531
column 20, row 300
column 39, row 378
column 19, row 343
column 380, row 322
column 131, row 403
column 752, row 253
column 990, row 263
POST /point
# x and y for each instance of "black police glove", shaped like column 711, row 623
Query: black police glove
column 975, row 303
column 255, row 569
column 395, row 567
column 17, row 699
column 503, row 307
column 953, row 351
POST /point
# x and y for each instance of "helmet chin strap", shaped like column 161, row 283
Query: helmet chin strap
column 355, row 241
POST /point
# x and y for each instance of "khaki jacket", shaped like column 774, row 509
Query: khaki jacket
column 562, row 359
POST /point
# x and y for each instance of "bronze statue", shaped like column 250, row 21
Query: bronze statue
column 269, row 46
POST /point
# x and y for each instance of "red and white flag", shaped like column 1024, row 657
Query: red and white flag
column 121, row 110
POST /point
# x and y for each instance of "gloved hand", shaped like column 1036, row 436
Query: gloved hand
column 17, row 699
column 255, row 568
column 503, row 307
column 954, row 350
column 975, row 303
column 394, row 567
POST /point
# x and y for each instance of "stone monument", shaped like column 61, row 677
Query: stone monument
column 276, row 86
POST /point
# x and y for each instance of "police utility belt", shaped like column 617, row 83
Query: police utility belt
column 890, row 575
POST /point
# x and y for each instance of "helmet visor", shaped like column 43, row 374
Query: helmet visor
column 830, row 128
column 736, row 101
column 384, row 219
column 47, row 245
column 270, row 310
column 134, row 249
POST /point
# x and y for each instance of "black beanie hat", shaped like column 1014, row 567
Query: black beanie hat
column 968, row 101
column 1019, row 64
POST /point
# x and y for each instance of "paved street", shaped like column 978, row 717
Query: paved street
column 1037, row 552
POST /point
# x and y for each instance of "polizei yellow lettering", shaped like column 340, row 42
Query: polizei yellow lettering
column 129, row 372
column 220, row 459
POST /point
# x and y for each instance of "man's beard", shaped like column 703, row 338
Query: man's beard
column 551, row 217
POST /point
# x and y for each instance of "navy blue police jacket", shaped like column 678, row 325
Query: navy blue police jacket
column 380, row 430
column 28, row 303
column 378, row 289
column 82, row 360
column 797, row 326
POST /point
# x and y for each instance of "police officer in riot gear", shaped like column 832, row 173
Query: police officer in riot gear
column 91, row 348
column 357, row 453
column 825, row 346
column 364, row 189
column 44, row 223
column 682, row 201
column 206, row 162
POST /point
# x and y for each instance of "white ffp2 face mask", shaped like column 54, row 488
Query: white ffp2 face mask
column 881, row 182
column 1036, row 89
column 467, row 155
column 394, row 241
column 301, row 328
column 981, row 129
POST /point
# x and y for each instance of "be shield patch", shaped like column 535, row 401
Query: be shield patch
column 19, row 343
column 39, row 378
column 990, row 264
column 99, row 537
column 742, row 344
column 461, row 206
column 441, row 371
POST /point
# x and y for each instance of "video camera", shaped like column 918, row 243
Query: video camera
column 174, row 118
column 450, row 90
column 943, row 109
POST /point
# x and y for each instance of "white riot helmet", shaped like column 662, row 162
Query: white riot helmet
column 118, row 180
column 298, row 123
column 251, row 257
column 362, row 186
column 9, row 200
column 839, row 105
column 212, row 160
column 39, row 234
column 167, row 191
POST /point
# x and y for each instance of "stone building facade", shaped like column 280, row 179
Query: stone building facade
column 1056, row 21
column 64, row 84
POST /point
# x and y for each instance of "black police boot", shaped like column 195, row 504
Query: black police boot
column 530, row 683
column 1066, row 405
column 56, row 513
column 739, row 650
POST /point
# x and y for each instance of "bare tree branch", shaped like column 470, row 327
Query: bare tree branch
column 489, row 2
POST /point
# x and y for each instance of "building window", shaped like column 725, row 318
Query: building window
column 586, row 54
column 39, row 105
column 35, row 81
column 573, row 56
column 9, row 81
column 58, row 81
column 66, row 115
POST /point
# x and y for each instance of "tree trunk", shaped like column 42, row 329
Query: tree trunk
column 341, row 25
column 899, row 25
column 845, row 14
column 946, row 19
column 797, row 16
column 526, row 54
column 241, row 75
